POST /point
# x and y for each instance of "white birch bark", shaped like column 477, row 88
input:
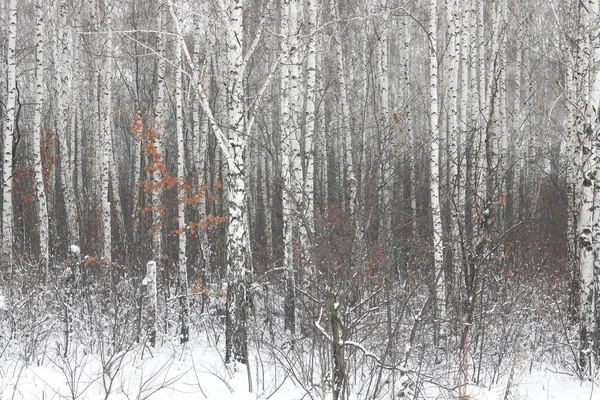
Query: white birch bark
column 387, row 152
column 137, row 171
column 495, row 96
column 473, row 47
column 181, row 198
column 320, row 143
column 451, row 73
column 574, row 164
column 438, row 251
column 473, row 144
column 296, row 108
column 481, row 174
column 106, row 142
column 409, row 126
column 63, row 76
column 465, row 55
column 587, row 219
column 232, row 148
column 73, row 109
column 7, row 137
column 40, row 189
column 159, row 121
column 288, row 117
column 586, row 227
column 572, row 159
column 238, row 250
column 80, row 188
column 586, row 248
column 502, row 97
column 151, row 309
column 310, row 110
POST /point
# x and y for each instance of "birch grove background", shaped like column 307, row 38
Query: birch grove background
column 379, row 197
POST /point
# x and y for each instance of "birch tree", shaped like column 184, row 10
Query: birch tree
column 106, row 140
column 37, row 127
column 481, row 170
column 572, row 151
column 311, row 121
column 150, row 303
column 232, row 145
column 588, row 215
column 238, row 251
column 156, row 140
column 7, row 137
column 451, row 73
column 465, row 55
column 181, row 197
column 434, row 166
column 62, row 55
column 290, row 152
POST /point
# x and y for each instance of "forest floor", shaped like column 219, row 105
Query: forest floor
column 196, row 371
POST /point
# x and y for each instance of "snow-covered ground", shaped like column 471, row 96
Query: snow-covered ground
column 196, row 371
column 541, row 384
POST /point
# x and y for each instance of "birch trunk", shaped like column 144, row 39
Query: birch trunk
column 137, row 170
column 320, row 144
column 64, row 87
column 238, row 251
column 465, row 55
column 451, row 72
column 106, row 143
column 472, row 137
column 73, row 109
column 385, row 132
column 7, row 137
column 232, row 148
column 79, row 152
column 586, row 249
column 159, row 120
column 503, row 65
column 37, row 127
column 311, row 108
column 481, row 174
column 574, row 165
column 589, row 222
column 438, row 251
column 181, row 199
column 151, row 309
column 412, row 201
column 288, row 120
